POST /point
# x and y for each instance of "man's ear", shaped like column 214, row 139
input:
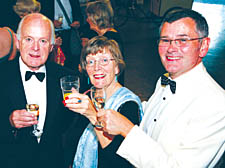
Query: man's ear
column 204, row 47
column 51, row 48
column 17, row 42
column 52, row 45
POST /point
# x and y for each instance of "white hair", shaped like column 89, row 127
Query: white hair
column 18, row 35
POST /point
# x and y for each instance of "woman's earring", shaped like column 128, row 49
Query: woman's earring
column 116, row 79
column 88, row 81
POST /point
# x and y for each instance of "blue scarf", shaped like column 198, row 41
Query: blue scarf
column 87, row 150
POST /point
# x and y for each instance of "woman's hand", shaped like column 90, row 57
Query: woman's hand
column 81, row 103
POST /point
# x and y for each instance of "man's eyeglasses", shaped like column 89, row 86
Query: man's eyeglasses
column 101, row 61
column 181, row 42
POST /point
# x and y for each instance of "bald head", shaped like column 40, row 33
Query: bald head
column 38, row 20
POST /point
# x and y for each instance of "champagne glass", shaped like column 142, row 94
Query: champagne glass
column 34, row 108
column 69, row 82
column 98, row 96
column 60, row 18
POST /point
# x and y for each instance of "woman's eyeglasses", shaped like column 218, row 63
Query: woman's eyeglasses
column 101, row 61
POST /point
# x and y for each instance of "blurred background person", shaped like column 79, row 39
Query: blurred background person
column 102, row 61
column 8, row 49
column 63, row 29
column 100, row 19
column 24, row 7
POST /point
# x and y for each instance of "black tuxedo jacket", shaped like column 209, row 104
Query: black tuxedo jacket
column 48, row 9
column 17, row 147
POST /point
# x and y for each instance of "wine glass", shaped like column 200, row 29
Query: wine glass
column 34, row 108
column 98, row 96
column 60, row 18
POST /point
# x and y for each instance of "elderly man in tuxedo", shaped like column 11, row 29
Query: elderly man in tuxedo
column 32, row 79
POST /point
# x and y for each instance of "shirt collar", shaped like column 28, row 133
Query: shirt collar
column 191, row 73
column 189, row 78
column 24, row 68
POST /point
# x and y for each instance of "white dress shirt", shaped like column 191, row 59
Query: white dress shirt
column 181, row 130
column 35, row 92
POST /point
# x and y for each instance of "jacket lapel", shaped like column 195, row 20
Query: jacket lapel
column 17, row 97
column 17, row 94
column 53, row 97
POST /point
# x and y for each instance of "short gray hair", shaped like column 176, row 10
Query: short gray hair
column 100, row 13
column 98, row 44
column 176, row 13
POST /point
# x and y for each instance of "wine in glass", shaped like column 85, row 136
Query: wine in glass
column 34, row 108
column 98, row 96
column 60, row 18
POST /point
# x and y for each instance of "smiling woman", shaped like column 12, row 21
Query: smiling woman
column 102, row 61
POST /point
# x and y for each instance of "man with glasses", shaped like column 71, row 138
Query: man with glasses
column 183, row 123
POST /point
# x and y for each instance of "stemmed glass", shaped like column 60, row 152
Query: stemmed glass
column 34, row 108
column 60, row 18
column 98, row 96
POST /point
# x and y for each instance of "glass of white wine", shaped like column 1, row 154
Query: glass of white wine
column 98, row 96
column 60, row 18
column 34, row 108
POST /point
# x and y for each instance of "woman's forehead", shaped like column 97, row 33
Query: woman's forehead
column 97, row 55
column 101, row 52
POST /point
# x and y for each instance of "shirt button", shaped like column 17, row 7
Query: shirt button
column 155, row 120
column 164, row 98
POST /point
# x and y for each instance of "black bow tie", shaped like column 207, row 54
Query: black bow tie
column 39, row 75
column 167, row 81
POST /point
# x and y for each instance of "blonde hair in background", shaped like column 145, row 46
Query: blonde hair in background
column 24, row 7
column 100, row 13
